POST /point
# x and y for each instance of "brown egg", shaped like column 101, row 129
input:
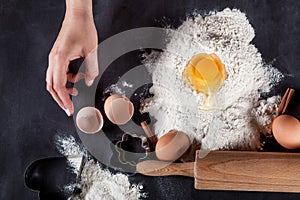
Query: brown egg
column 286, row 130
column 172, row 145
column 118, row 109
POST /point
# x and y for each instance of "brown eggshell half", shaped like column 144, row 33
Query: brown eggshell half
column 118, row 109
column 89, row 120
column 286, row 130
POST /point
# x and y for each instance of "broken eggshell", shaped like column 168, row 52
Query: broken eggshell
column 118, row 109
column 89, row 120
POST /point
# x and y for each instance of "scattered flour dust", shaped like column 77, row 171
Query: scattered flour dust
column 102, row 184
column 95, row 182
column 241, row 111
column 118, row 88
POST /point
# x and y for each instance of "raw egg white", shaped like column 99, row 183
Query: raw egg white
column 286, row 130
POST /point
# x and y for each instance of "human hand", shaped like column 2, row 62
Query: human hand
column 77, row 38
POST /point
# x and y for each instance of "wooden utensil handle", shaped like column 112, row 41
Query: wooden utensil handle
column 148, row 132
column 161, row 168
column 248, row 170
column 234, row 170
column 285, row 101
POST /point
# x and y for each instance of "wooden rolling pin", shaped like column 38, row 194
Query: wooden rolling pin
column 234, row 170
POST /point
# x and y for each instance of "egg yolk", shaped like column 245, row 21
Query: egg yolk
column 205, row 73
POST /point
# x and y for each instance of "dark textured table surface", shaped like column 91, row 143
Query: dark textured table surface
column 30, row 118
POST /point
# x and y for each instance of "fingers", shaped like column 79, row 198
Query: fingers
column 56, row 82
column 72, row 91
column 73, row 78
column 59, row 86
column 57, row 77
column 63, row 94
column 54, row 95
column 91, row 67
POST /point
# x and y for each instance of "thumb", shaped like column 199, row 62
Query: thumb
column 91, row 67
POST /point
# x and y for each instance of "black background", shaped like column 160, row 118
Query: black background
column 30, row 118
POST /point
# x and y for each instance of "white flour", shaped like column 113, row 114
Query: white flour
column 264, row 112
column 96, row 183
column 236, row 122
column 101, row 184
column 118, row 88
column 68, row 146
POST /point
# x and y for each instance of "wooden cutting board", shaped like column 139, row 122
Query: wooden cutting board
column 234, row 170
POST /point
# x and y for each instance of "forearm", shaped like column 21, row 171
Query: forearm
column 81, row 7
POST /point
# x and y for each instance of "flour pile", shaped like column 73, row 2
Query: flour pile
column 95, row 182
column 102, row 184
column 241, row 112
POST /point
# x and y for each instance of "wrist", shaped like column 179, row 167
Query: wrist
column 79, row 7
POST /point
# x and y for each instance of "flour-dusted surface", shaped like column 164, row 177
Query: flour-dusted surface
column 118, row 88
column 95, row 182
column 69, row 147
column 100, row 184
column 235, row 122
